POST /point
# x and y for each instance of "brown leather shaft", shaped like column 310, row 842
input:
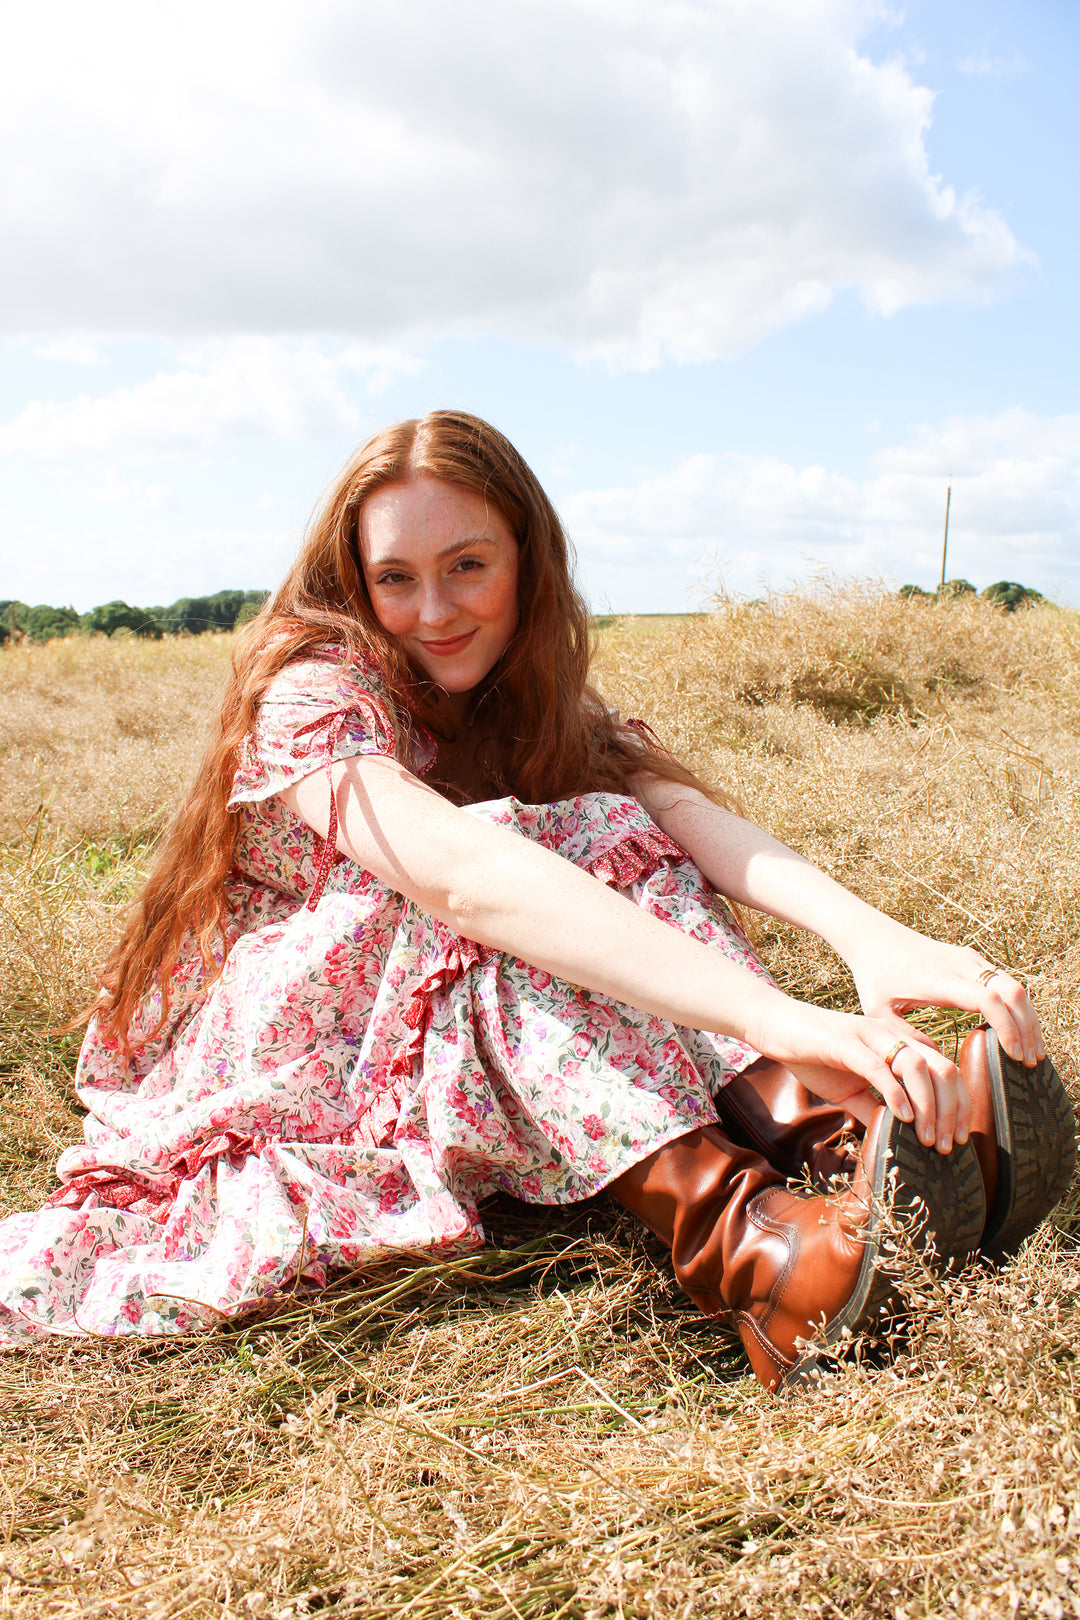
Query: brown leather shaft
column 768, row 1109
column 781, row 1263
column 975, row 1069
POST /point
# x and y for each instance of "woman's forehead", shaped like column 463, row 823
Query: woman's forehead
column 428, row 515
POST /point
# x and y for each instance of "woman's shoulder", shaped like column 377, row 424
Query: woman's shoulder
column 324, row 704
column 328, row 676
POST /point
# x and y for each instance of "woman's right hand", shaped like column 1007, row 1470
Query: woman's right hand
column 841, row 1057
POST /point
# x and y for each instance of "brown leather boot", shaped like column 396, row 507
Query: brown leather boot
column 783, row 1265
column 767, row 1108
column 1024, row 1135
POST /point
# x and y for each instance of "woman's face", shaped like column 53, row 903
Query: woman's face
column 441, row 567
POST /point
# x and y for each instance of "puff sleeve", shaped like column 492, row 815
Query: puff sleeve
column 317, row 710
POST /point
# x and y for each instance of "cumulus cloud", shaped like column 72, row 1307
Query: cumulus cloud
column 253, row 387
column 638, row 179
column 1015, row 514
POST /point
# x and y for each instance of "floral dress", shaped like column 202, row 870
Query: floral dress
column 358, row 1078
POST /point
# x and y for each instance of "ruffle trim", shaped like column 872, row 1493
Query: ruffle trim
column 633, row 856
column 448, row 956
column 334, row 723
column 364, row 710
column 120, row 1190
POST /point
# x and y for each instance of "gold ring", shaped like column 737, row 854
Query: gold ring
column 989, row 973
column 893, row 1053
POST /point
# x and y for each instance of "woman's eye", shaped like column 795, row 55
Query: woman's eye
column 390, row 579
column 468, row 565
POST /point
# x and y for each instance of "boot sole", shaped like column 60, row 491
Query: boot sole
column 940, row 1194
column 1036, row 1137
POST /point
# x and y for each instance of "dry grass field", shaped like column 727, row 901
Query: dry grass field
column 543, row 1430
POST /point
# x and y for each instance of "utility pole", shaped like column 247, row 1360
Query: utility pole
column 945, row 542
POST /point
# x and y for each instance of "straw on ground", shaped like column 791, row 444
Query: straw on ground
column 543, row 1429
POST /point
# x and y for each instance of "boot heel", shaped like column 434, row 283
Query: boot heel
column 1036, row 1141
column 943, row 1191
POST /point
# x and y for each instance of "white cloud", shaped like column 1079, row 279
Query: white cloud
column 166, row 562
column 1015, row 514
column 74, row 351
column 760, row 520
column 111, row 488
column 637, row 179
column 379, row 365
column 981, row 64
column 242, row 387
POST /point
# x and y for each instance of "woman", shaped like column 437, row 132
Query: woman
column 433, row 922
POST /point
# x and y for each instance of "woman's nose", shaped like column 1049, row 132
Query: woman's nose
column 436, row 605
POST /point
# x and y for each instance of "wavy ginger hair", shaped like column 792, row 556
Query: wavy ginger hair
column 545, row 733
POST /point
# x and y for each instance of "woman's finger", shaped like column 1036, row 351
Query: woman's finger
column 860, row 1085
column 907, row 1063
column 909, row 1034
column 908, row 1060
column 1000, row 1001
column 1005, row 1006
column 937, row 1093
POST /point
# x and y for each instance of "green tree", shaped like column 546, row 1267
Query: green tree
column 193, row 615
column 44, row 623
column 1007, row 594
column 12, row 619
column 113, row 616
column 254, row 601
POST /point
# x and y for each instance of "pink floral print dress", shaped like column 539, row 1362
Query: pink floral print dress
column 358, row 1078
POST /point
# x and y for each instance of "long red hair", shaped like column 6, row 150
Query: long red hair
column 545, row 734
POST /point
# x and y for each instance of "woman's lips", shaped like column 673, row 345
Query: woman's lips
column 444, row 649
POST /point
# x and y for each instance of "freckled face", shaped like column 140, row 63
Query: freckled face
column 441, row 567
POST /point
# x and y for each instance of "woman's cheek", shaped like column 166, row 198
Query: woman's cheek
column 390, row 613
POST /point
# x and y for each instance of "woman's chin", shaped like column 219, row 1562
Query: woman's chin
column 459, row 682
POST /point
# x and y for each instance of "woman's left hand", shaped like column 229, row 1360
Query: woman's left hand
column 896, row 969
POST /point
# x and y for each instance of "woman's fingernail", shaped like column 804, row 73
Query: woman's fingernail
column 945, row 1144
column 961, row 1138
column 907, row 1113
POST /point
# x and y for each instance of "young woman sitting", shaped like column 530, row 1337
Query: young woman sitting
column 433, row 923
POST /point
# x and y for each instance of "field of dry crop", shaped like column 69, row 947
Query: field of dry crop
column 543, row 1430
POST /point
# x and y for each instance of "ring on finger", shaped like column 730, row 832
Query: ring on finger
column 989, row 973
column 893, row 1053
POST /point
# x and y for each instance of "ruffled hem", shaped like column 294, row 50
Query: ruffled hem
column 453, row 1071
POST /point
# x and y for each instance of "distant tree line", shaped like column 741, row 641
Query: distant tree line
column 1004, row 593
column 191, row 615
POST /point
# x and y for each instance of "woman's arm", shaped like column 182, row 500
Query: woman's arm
column 894, row 967
column 508, row 893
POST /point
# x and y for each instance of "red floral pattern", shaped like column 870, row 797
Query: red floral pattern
column 358, row 1078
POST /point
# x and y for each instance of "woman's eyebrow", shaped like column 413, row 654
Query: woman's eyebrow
column 441, row 556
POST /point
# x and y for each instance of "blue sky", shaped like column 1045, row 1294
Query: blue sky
column 750, row 282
